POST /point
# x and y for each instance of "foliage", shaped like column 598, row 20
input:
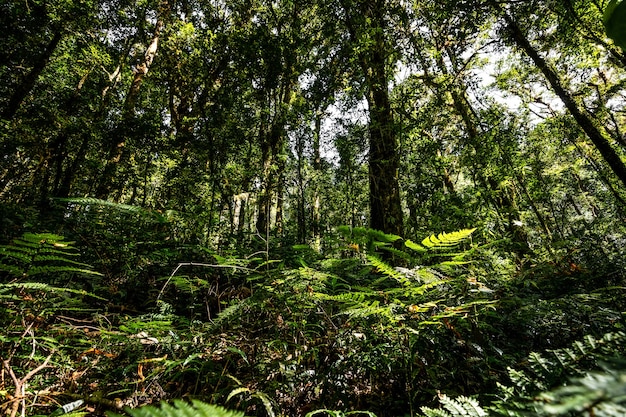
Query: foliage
column 177, row 408
column 176, row 176
column 333, row 413
column 584, row 379
column 26, row 306
column 460, row 406
column 40, row 254
column 416, row 294
column 614, row 22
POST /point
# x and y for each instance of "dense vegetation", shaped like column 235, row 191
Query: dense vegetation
column 301, row 208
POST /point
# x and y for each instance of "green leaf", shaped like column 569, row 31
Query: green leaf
column 615, row 22
column 414, row 246
column 179, row 408
column 239, row 352
column 447, row 240
column 237, row 391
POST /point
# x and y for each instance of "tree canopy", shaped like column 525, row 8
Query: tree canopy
column 316, row 207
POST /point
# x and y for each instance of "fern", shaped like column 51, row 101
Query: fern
column 387, row 270
column 179, row 408
column 87, row 202
column 336, row 413
column 572, row 361
column 41, row 254
column 400, row 290
column 597, row 393
column 40, row 286
column 446, row 240
column 583, row 377
column 460, row 406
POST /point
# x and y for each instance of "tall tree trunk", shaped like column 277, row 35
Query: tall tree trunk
column 271, row 146
column 302, row 186
column 118, row 141
column 27, row 84
column 385, row 205
column 317, row 172
column 585, row 122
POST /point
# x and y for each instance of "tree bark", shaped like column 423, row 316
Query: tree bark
column 385, row 206
column 316, row 219
column 118, row 142
column 27, row 84
column 584, row 121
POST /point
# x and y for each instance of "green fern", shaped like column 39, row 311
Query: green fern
column 571, row 361
column 231, row 313
column 5, row 289
column 452, row 407
column 180, row 408
column 41, row 253
column 388, row 270
column 400, row 292
column 336, row 413
column 583, row 377
column 145, row 214
column 368, row 239
column 597, row 393
column 446, row 240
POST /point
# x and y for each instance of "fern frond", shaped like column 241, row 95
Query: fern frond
column 446, row 240
column 360, row 234
column 459, row 406
column 214, row 411
column 40, row 286
column 400, row 254
column 41, row 253
column 369, row 309
column 435, row 412
column 415, row 246
column 16, row 271
column 463, row 406
column 360, row 304
column 353, row 297
column 230, row 313
column 42, row 238
column 179, row 408
column 387, row 270
column 146, row 214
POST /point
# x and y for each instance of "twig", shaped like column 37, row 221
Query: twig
column 241, row 268
column 19, row 394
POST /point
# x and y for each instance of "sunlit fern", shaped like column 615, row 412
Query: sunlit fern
column 413, row 290
column 179, row 408
column 452, row 407
column 41, row 254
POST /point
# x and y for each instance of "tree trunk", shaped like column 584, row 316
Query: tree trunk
column 271, row 146
column 118, row 141
column 385, row 205
column 27, row 84
column 317, row 172
column 585, row 122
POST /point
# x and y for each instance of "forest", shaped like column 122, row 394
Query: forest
column 313, row 208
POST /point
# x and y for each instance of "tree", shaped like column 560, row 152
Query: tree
column 591, row 128
column 369, row 34
column 117, row 142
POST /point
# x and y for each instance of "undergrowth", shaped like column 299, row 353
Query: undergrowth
column 374, row 325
